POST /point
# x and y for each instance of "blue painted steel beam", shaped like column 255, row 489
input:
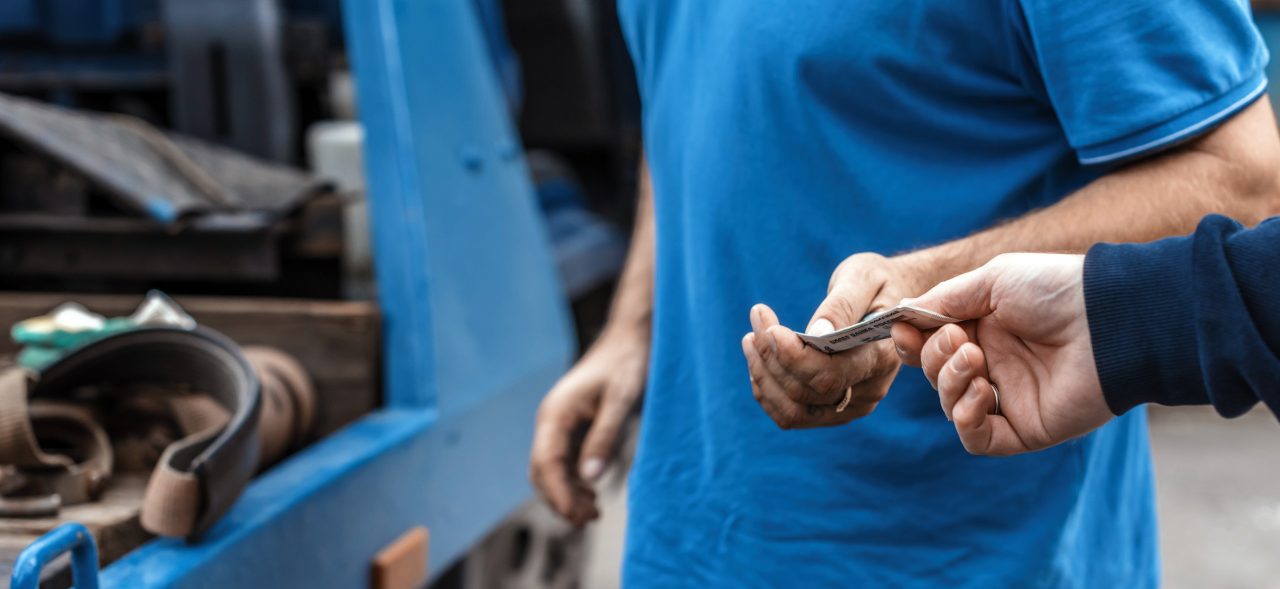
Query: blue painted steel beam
column 465, row 274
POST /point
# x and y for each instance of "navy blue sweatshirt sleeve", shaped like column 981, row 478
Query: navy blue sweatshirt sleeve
column 1189, row 320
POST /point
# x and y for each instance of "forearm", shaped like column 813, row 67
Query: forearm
column 1231, row 171
column 631, row 313
column 1190, row 320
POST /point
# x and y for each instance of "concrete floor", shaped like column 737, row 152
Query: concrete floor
column 1219, row 502
column 1219, row 498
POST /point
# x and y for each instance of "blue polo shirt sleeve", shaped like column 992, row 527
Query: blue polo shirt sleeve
column 1188, row 320
column 1130, row 77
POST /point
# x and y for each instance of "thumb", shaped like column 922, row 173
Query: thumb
column 967, row 296
column 844, row 306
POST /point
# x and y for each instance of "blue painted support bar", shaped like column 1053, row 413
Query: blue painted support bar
column 69, row 537
column 466, row 279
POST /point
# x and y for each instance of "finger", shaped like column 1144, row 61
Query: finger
column 846, row 304
column 967, row 296
column 868, row 393
column 787, row 414
column 602, row 437
column 908, row 342
column 938, row 350
column 550, row 471
column 762, row 318
column 958, row 373
column 980, row 431
column 809, row 376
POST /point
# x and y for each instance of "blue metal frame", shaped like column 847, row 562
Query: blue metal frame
column 69, row 537
column 476, row 326
column 461, row 254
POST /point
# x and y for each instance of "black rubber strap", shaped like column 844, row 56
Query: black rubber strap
column 217, row 466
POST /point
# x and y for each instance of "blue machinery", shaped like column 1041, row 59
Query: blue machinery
column 476, row 329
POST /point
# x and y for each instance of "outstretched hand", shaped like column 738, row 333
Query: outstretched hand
column 1025, row 338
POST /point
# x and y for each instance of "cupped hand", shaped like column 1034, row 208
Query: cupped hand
column 802, row 387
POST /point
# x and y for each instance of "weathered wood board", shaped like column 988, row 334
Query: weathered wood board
column 336, row 341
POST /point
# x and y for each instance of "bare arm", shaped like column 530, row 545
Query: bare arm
column 602, row 388
column 632, row 309
column 1233, row 170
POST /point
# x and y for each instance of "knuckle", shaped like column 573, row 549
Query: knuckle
column 827, row 381
column 789, row 354
column 622, row 393
column 538, row 466
column 1003, row 259
column 784, row 417
column 794, row 417
column 840, row 311
column 550, row 411
column 795, row 390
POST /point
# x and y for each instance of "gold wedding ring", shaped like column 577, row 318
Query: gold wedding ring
column 848, row 396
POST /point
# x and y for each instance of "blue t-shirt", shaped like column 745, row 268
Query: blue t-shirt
column 785, row 135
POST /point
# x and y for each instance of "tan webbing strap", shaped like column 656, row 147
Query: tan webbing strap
column 172, row 503
column 197, row 413
column 288, row 402
column 275, row 425
column 47, row 474
column 64, row 425
column 18, row 445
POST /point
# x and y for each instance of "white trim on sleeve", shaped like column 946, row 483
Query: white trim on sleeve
column 1176, row 135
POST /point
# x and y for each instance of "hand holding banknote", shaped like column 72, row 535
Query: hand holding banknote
column 1024, row 340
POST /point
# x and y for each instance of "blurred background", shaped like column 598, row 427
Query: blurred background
column 350, row 183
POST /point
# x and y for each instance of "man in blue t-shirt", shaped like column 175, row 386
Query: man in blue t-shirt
column 785, row 139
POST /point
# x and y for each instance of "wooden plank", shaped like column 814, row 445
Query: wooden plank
column 154, row 255
column 336, row 341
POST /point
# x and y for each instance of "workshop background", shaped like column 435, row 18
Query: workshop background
column 317, row 204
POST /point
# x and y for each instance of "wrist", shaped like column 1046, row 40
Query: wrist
column 922, row 269
column 1141, row 313
column 627, row 331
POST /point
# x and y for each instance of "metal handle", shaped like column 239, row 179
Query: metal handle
column 72, row 537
